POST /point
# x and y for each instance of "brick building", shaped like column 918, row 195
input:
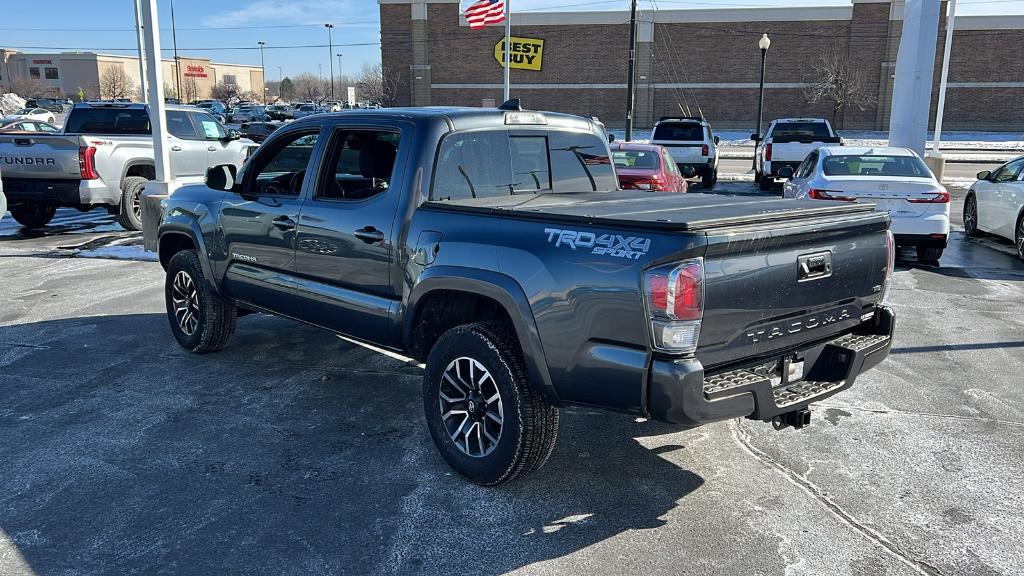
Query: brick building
column 703, row 60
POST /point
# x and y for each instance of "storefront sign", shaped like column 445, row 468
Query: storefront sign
column 193, row 71
column 42, row 61
column 527, row 53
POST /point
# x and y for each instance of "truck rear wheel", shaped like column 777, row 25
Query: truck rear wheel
column 709, row 179
column 33, row 215
column 201, row 320
column 129, row 216
column 484, row 417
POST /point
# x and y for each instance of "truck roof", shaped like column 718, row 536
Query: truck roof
column 460, row 118
column 132, row 106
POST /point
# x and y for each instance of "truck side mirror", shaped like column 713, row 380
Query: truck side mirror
column 611, row 138
column 222, row 177
column 786, row 172
column 233, row 134
column 717, row 140
column 755, row 137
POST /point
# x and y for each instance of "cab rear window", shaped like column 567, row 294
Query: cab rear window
column 689, row 131
column 107, row 121
column 497, row 163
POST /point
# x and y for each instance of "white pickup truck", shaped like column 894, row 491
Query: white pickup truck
column 104, row 157
column 786, row 143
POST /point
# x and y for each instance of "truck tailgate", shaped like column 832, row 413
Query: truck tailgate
column 779, row 286
column 793, row 151
column 49, row 156
column 684, row 153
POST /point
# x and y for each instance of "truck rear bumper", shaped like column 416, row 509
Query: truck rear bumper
column 680, row 392
column 72, row 193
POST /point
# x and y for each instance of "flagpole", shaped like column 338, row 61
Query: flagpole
column 508, row 46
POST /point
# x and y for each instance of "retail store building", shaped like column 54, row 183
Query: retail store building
column 73, row 73
column 701, row 61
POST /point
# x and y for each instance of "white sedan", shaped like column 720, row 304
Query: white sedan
column 895, row 180
column 31, row 114
column 995, row 204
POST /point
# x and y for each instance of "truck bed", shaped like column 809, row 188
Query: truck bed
column 682, row 212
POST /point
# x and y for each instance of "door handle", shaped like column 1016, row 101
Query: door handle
column 211, row 148
column 284, row 223
column 370, row 235
column 175, row 148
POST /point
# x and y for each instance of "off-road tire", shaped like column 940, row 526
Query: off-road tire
column 971, row 217
column 530, row 425
column 33, row 215
column 129, row 215
column 709, row 180
column 929, row 253
column 765, row 183
column 216, row 315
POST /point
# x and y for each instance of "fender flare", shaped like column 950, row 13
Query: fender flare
column 191, row 231
column 131, row 164
column 500, row 288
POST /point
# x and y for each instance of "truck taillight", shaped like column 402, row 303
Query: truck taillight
column 768, row 152
column 940, row 197
column 704, row 150
column 86, row 162
column 675, row 304
column 890, row 263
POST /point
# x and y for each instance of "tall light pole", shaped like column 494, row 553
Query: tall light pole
column 263, row 71
column 177, row 63
column 630, row 89
column 934, row 158
column 339, row 63
column 330, row 50
column 763, row 43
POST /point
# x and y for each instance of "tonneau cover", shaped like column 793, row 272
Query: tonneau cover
column 692, row 211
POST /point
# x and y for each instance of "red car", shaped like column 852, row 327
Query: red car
column 646, row 167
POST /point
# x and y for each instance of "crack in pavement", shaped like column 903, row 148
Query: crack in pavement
column 835, row 509
column 926, row 414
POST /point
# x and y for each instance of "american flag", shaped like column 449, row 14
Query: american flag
column 484, row 12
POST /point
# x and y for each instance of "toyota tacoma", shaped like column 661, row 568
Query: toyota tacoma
column 493, row 246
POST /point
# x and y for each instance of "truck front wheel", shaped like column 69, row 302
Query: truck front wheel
column 201, row 320
column 709, row 179
column 32, row 215
column 129, row 216
column 483, row 415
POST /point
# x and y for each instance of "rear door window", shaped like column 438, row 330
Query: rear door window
column 180, row 126
column 108, row 121
column 682, row 131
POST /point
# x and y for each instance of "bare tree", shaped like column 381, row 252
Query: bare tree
column 115, row 83
column 310, row 87
column 224, row 92
column 840, row 82
column 189, row 89
column 379, row 84
column 169, row 91
column 28, row 87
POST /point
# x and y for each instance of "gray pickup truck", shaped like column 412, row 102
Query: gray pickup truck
column 494, row 246
column 104, row 158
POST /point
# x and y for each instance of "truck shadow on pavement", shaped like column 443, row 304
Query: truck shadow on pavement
column 290, row 452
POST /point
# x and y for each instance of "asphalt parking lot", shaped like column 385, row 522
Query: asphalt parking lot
column 296, row 452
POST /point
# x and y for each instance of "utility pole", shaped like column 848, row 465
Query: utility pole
column 330, row 50
column 263, row 72
column 630, row 87
column 177, row 64
column 508, row 51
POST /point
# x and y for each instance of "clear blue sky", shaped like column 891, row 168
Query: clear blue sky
column 217, row 28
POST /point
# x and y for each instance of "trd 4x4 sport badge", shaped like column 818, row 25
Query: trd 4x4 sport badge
column 632, row 247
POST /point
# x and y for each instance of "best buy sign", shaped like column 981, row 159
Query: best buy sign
column 527, row 53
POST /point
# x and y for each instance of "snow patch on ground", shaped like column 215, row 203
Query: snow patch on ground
column 11, row 102
column 130, row 252
column 1009, row 141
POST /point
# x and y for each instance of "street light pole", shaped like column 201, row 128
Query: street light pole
column 630, row 89
column 763, row 44
column 177, row 63
column 330, row 50
column 263, row 72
